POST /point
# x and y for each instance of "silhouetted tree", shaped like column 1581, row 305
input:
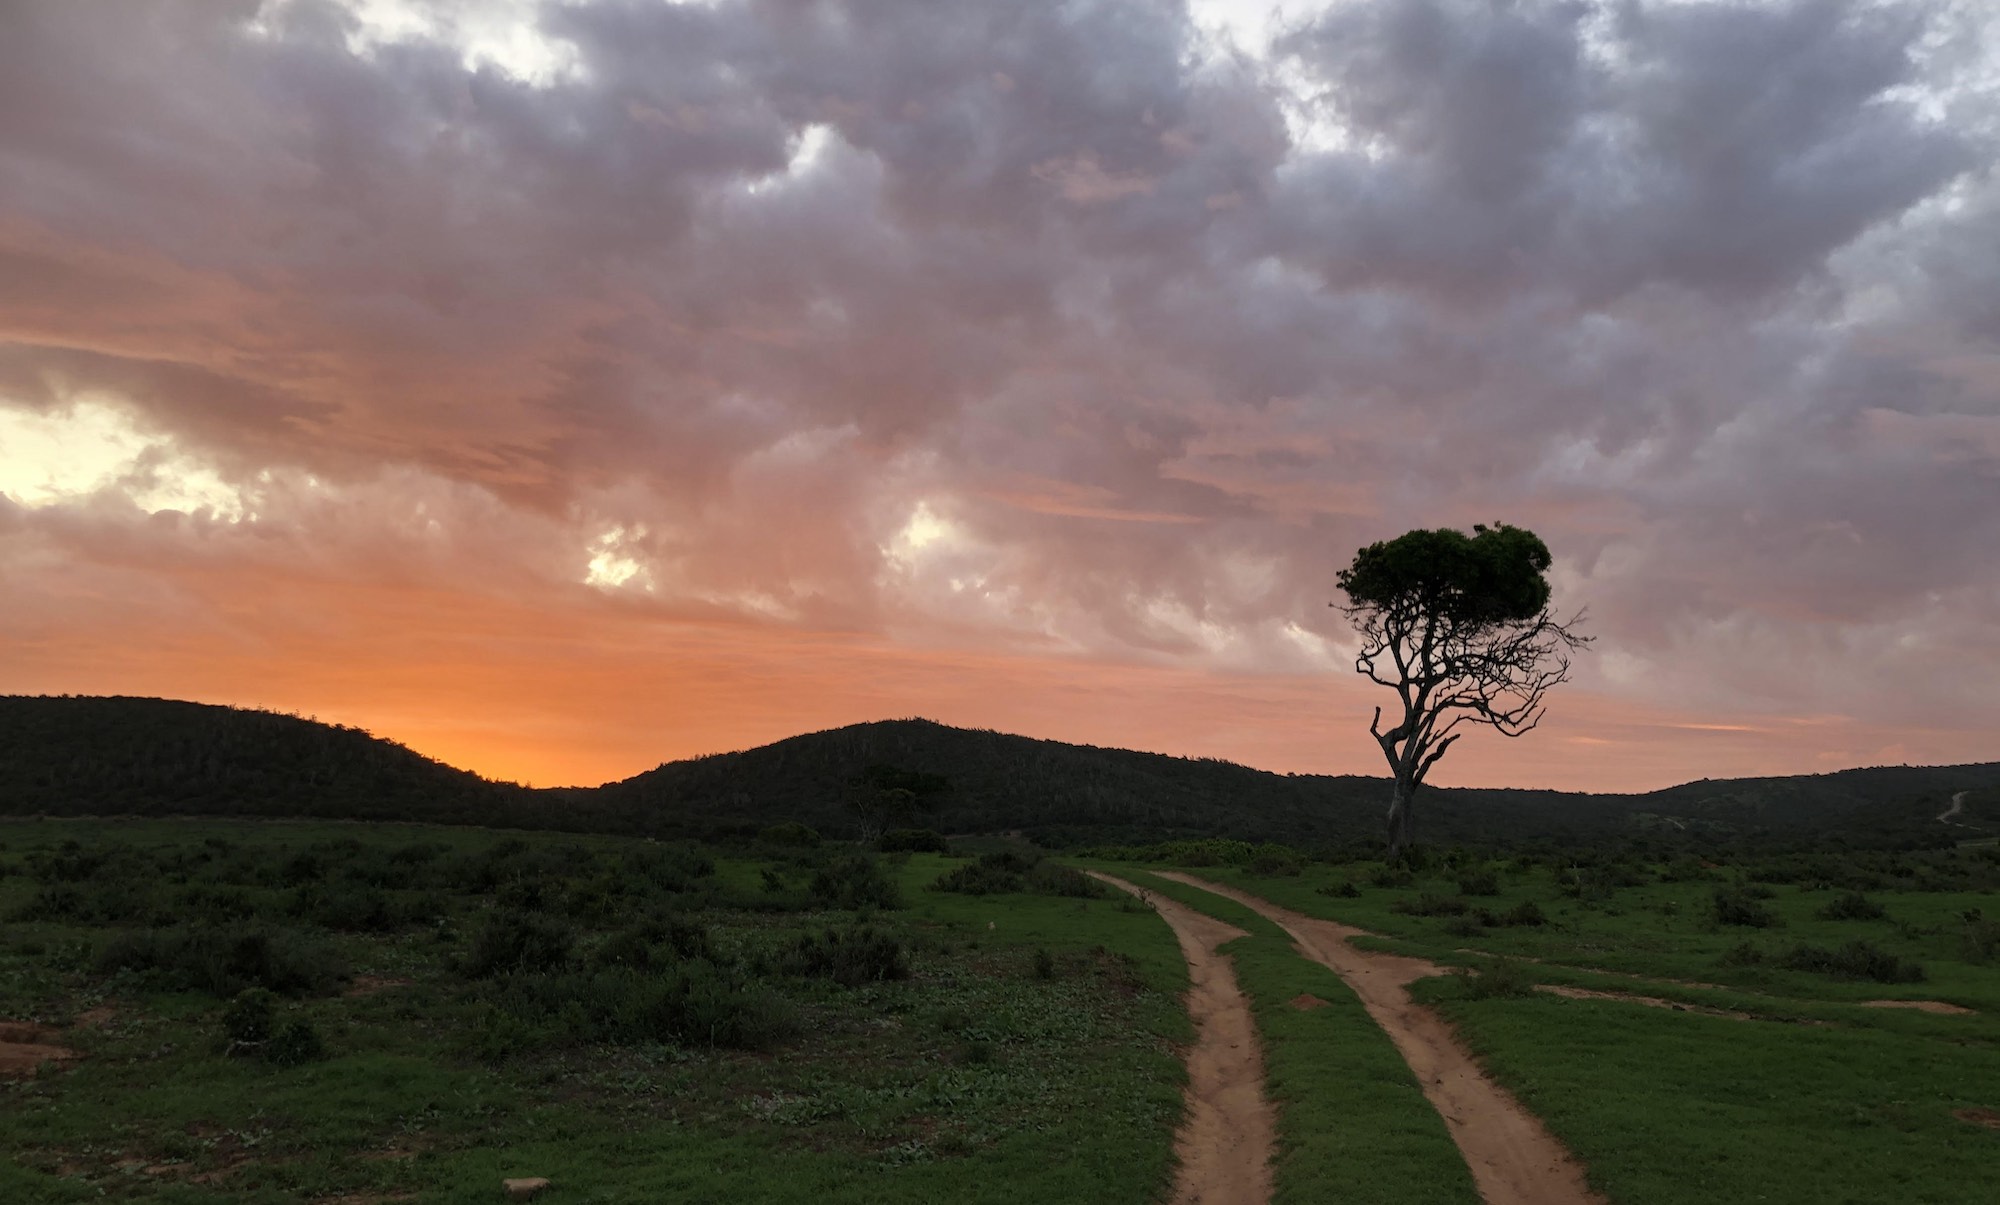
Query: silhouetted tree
column 1460, row 627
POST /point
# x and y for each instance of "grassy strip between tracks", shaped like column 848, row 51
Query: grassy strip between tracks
column 1352, row 1123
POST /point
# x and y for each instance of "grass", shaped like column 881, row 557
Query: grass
column 1021, row 1047
column 1352, row 1122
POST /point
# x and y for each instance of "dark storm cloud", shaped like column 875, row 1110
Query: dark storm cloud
column 1056, row 323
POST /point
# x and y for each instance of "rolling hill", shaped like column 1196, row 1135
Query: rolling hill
column 156, row 757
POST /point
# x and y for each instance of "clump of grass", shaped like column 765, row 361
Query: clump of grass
column 1739, row 906
column 1045, row 964
column 1855, row 960
column 250, row 1025
column 1526, row 914
column 1343, row 890
column 1852, row 905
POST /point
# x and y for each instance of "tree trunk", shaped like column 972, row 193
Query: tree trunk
column 1399, row 817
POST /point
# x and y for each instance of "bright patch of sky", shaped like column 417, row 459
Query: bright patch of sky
column 91, row 446
column 503, row 34
column 614, row 562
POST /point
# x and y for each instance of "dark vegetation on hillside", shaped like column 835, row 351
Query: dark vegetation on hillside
column 150, row 757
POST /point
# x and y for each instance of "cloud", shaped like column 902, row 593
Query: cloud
column 1094, row 334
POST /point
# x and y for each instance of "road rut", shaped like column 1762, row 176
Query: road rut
column 1225, row 1142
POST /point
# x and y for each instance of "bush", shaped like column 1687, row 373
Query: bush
column 852, row 882
column 296, row 1044
column 791, row 833
column 1736, row 906
column 1431, row 903
column 1053, row 878
column 1343, row 890
column 1852, row 905
column 1526, row 913
column 1982, row 937
column 1045, row 964
column 915, row 841
column 510, row 942
column 863, row 954
column 978, row 878
column 1270, row 859
column 249, row 1020
column 1392, row 876
column 1742, row 954
column 223, row 960
column 1855, row 960
column 1479, row 882
column 696, row 1002
column 654, row 943
column 1497, row 979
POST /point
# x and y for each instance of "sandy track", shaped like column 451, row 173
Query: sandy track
column 1225, row 1141
column 1513, row 1158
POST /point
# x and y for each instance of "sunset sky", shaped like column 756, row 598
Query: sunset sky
column 560, row 388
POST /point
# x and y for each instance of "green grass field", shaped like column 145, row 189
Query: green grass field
column 1027, row 1054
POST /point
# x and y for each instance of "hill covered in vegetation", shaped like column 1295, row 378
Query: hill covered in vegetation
column 155, row 757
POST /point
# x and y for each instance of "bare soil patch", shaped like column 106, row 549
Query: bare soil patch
column 1923, row 1006
column 1226, row 1139
column 25, row 1046
column 1979, row 1117
column 369, row 985
column 1513, row 1158
column 1306, row 1002
column 1584, row 993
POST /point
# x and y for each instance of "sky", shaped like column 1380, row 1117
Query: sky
column 560, row 388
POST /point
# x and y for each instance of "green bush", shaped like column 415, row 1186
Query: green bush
column 915, row 841
column 1270, row 859
column 1737, row 906
column 513, row 941
column 1852, row 905
column 294, row 1045
column 862, row 954
column 1982, row 937
column 791, row 833
column 1343, row 890
column 1053, row 878
column 854, row 881
column 1500, row 978
column 1430, row 903
column 250, row 1020
column 223, row 960
column 696, row 1002
column 1527, row 913
column 1479, row 882
column 1855, row 960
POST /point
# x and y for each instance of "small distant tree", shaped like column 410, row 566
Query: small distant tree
column 886, row 797
column 1460, row 627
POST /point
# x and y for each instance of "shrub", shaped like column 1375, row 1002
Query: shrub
column 1045, row 964
column 1053, row 878
column 791, row 833
column 512, row 941
column 1391, row 876
column 978, row 878
column 223, row 960
column 1431, row 903
column 1855, row 960
column 1742, row 954
column 696, row 1002
column 1852, row 905
column 296, row 1044
column 654, row 943
column 1525, row 913
column 1272, row 859
column 1479, row 882
column 863, row 954
column 1736, row 906
column 1499, row 978
column 914, row 840
column 854, row 881
column 249, row 1020
column 1982, row 937
column 1343, row 890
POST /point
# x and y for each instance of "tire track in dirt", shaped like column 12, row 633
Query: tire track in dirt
column 1513, row 1158
column 1225, row 1142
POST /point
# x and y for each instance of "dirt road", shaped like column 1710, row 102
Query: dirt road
column 1225, row 1142
column 1957, row 806
column 1513, row 1158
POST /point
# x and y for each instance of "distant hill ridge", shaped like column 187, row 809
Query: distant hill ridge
column 63, row 755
